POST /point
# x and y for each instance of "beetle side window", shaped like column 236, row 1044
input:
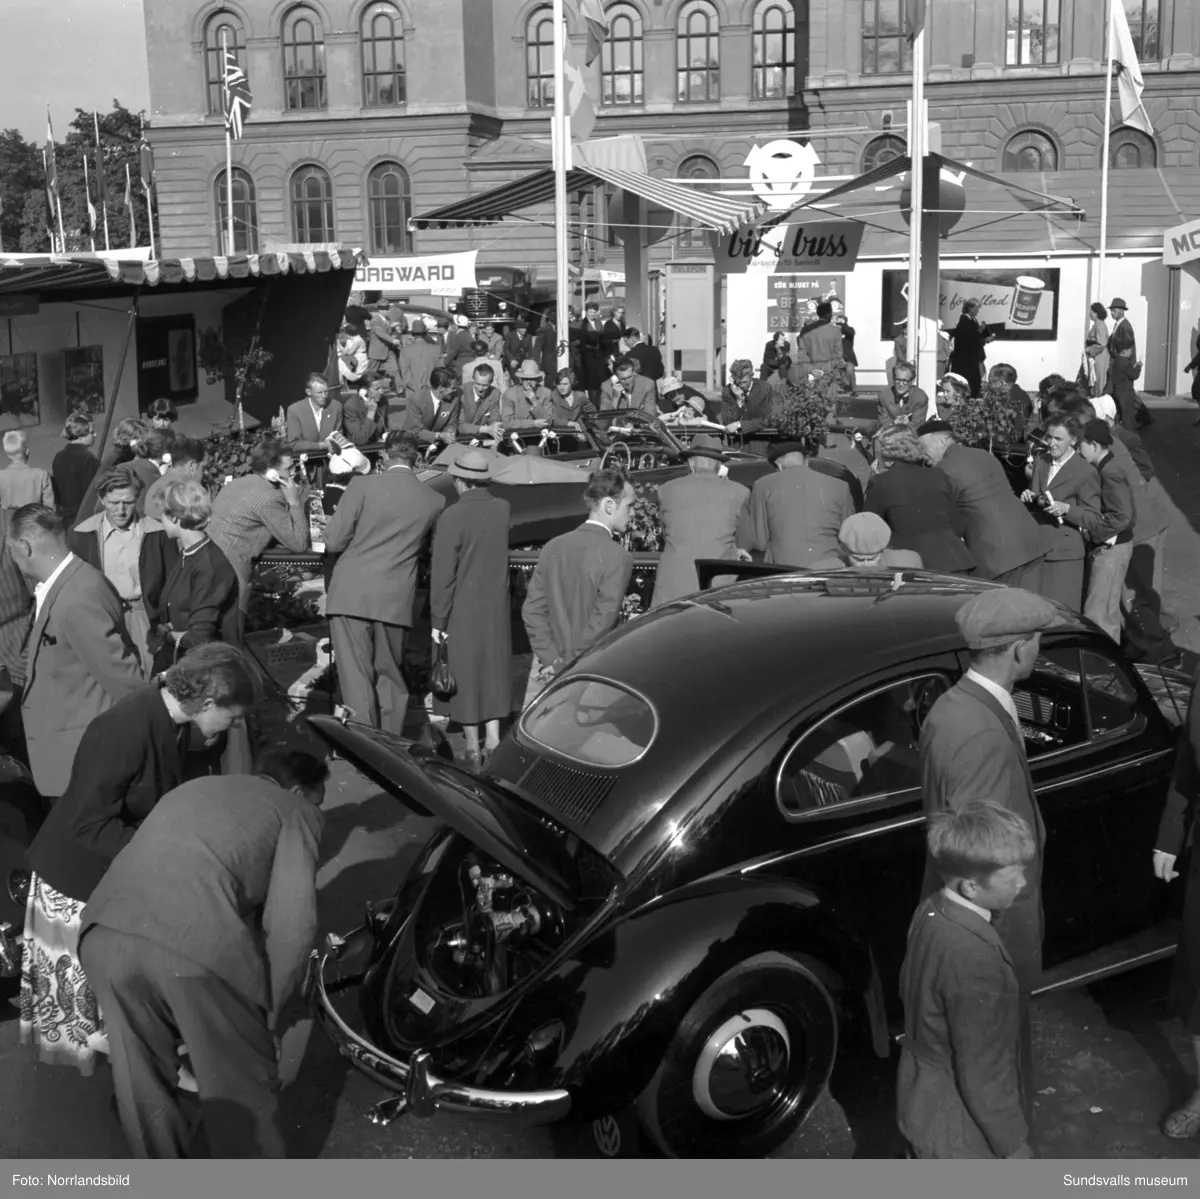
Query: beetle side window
column 1112, row 698
column 864, row 750
column 1051, row 705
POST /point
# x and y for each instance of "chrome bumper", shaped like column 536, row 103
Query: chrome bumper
column 418, row 1089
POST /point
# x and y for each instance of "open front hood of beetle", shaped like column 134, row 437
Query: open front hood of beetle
column 485, row 813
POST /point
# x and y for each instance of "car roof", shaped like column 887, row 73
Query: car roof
column 747, row 645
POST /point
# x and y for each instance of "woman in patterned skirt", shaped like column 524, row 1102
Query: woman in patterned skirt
column 130, row 756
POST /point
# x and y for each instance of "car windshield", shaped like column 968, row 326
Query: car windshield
column 592, row 721
column 630, row 426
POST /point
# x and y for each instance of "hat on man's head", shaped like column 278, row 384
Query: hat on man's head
column 1098, row 431
column 934, row 426
column 472, row 464
column 1002, row 614
column 529, row 370
column 782, row 448
column 461, row 321
column 705, row 445
column 1118, row 303
column 865, row 534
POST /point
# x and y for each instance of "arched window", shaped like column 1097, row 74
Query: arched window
column 303, row 59
column 698, row 53
column 886, row 49
column 312, row 206
column 1131, row 150
column 221, row 25
column 1143, row 24
column 245, row 214
column 883, row 149
column 391, row 205
column 696, row 167
column 539, row 59
column 621, row 57
column 382, row 57
column 774, row 50
column 1030, row 151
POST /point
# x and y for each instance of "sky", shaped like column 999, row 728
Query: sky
column 70, row 54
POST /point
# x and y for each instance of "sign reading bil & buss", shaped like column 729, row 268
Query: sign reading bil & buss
column 799, row 246
column 1018, row 305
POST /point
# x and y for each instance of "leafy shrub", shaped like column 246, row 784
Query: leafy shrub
column 801, row 414
column 991, row 419
column 645, row 532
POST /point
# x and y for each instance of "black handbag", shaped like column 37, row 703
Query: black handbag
column 441, row 681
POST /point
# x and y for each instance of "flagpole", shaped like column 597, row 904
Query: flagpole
column 1108, row 73
column 916, row 151
column 87, row 188
column 142, row 159
column 561, row 146
column 228, row 147
column 102, row 190
column 62, row 236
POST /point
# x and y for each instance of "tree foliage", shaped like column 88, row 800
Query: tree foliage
column 992, row 419
column 23, row 207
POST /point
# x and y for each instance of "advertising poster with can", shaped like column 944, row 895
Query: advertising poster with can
column 1017, row 305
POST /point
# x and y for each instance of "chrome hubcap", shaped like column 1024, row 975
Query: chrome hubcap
column 743, row 1067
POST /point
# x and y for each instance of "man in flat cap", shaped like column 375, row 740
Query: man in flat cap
column 1008, row 545
column 972, row 748
column 863, row 542
column 701, row 514
column 795, row 514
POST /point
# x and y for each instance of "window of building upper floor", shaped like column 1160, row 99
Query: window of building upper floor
column 621, row 80
column 881, row 150
column 303, row 59
column 245, row 213
column 312, row 205
column 222, row 31
column 1030, row 150
column 1131, row 150
column 1031, row 33
column 390, row 203
column 774, row 50
column 539, row 59
column 1143, row 18
column 698, row 53
column 382, row 40
column 886, row 49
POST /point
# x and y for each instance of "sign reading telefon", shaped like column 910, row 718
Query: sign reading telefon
column 428, row 274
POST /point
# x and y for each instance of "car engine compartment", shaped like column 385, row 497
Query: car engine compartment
column 487, row 934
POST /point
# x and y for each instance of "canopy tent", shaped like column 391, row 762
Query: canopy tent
column 722, row 213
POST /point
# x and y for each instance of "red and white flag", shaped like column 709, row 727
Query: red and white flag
column 592, row 14
column 1129, row 72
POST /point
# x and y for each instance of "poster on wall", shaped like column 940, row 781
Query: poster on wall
column 167, row 360
column 19, row 390
column 1019, row 304
column 84, row 374
column 791, row 300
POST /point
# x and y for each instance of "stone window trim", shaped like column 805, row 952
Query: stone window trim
column 302, row 22
column 248, row 204
column 760, row 33
column 1031, row 137
column 400, row 35
column 379, row 167
column 631, row 32
column 697, row 26
column 1126, row 143
column 311, row 169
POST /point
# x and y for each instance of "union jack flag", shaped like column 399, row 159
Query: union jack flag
column 236, row 88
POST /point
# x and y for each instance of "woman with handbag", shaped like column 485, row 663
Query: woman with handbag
column 471, row 614
column 1096, row 350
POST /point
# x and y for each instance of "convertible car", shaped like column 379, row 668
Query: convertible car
column 685, row 877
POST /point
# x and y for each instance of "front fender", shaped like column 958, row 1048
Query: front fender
column 630, row 991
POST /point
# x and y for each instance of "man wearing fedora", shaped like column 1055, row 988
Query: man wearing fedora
column 527, row 404
column 378, row 530
column 383, row 347
column 796, row 513
column 628, row 390
column 701, row 514
column 1122, row 344
column 419, row 357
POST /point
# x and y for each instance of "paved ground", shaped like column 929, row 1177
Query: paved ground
column 1108, row 1059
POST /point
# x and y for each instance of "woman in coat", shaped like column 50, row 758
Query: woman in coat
column 199, row 600
column 468, row 597
column 1061, row 482
column 917, row 502
column 1096, row 348
column 777, row 358
column 74, row 466
column 129, row 757
column 970, row 336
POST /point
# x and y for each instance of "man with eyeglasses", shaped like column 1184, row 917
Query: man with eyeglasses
column 903, row 401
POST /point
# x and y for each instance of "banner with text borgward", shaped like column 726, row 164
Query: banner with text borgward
column 798, row 245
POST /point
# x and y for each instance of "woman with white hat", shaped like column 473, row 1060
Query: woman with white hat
column 468, row 597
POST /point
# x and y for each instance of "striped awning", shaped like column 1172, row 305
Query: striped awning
column 73, row 272
column 723, row 213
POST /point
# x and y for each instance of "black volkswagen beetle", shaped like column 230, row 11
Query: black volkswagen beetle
column 686, row 875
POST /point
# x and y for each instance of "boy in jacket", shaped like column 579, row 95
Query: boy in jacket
column 959, row 1085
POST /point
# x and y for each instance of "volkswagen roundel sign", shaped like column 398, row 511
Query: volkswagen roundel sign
column 781, row 172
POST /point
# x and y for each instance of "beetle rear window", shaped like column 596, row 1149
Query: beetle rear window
column 593, row 722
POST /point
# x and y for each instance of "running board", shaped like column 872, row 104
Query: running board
column 1141, row 949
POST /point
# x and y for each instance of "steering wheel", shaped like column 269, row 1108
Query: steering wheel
column 612, row 449
column 647, row 462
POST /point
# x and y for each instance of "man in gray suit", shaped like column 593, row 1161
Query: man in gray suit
column 580, row 580
column 701, row 515
column 795, row 514
column 378, row 529
column 972, row 747
column 79, row 659
column 311, row 422
column 1008, row 545
column 629, row 391
column 198, row 933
